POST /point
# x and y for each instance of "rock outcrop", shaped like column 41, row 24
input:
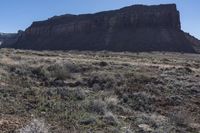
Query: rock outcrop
column 135, row 28
column 8, row 39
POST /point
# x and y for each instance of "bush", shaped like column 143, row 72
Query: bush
column 180, row 118
column 103, row 63
column 36, row 126
column 70, row 94
column 141, row 101
column 97, row 106
column 102, row 81
column 41, row 72
column 87, row 121
column 80, row 94
column 59, row 71
column 110, row 119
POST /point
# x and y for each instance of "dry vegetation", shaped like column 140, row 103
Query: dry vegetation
column 72, row 92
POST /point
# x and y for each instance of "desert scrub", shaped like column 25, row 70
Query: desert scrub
column 35, row 126
column 41, row 72
column 103, row 81
column 57, row 99
column 97, row 106
column 71, row 94
column 110, row 119
column 181, row 118
column 59, row 71
column 20, row 70
column 141, row 101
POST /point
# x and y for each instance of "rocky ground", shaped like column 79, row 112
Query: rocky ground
column 72, row 92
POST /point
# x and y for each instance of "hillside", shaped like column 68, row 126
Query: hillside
column 136, row 28
column 194, row 41
column 72, row 92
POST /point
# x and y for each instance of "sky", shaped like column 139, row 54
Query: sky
column 19, row 14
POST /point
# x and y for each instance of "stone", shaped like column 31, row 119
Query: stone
column 145, row 127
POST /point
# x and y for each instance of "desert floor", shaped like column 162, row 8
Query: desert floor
column 71, row 91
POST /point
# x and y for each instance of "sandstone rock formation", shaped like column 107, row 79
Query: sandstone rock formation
column 135, row 28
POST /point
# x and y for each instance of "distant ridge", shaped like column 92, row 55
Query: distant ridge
column 135, row 28
column 7, row 39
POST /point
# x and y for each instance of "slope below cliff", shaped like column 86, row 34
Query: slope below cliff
column 194, row 41
column 135, row 28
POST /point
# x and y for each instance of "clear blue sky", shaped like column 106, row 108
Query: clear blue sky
column 19, row 14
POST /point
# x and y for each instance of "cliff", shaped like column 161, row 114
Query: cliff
column 8, row 39
column 134, row 28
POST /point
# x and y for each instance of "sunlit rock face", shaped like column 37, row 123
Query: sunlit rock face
column 135, row 28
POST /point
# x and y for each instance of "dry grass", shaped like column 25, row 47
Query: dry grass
column 77, row 91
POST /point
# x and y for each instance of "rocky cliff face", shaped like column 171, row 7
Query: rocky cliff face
column 8, row 39
column 134, row 28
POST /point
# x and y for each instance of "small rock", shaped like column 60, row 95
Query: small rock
column 145, row 127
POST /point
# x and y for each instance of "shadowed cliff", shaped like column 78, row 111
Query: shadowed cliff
column 135, row 28
column 7, row 39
